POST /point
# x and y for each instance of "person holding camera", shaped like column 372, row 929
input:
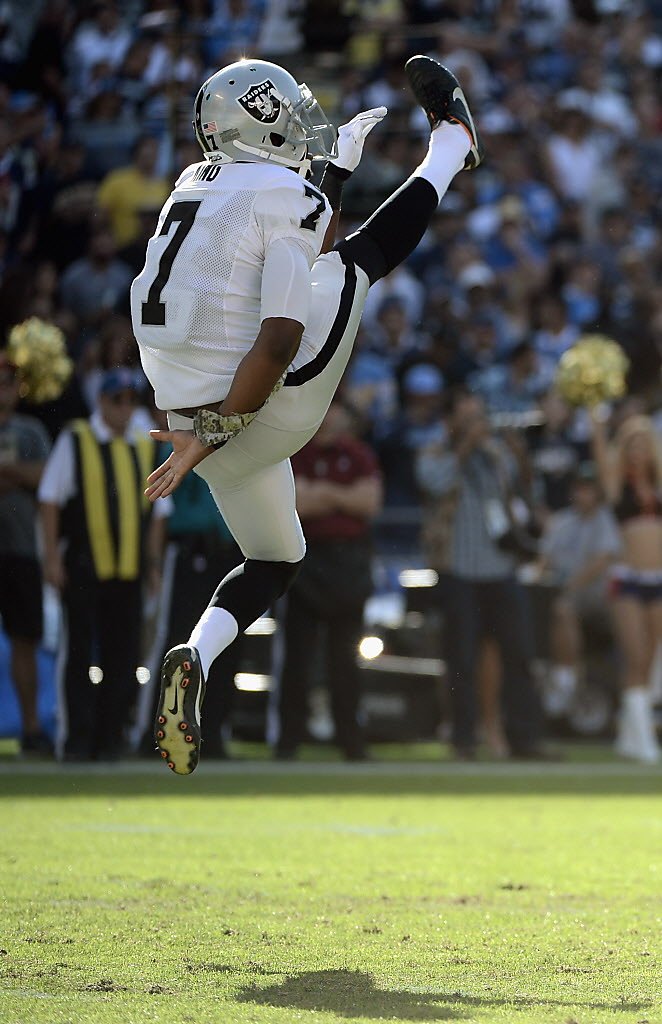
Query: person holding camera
column 475, row 536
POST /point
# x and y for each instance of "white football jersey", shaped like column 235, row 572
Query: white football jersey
column 197, row 305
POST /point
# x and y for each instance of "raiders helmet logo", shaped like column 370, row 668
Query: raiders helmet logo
column 261, row 103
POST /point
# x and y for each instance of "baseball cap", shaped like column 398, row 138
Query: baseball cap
column 121, row 378
column 586, row 472
column 476, row 275
column 423, row 379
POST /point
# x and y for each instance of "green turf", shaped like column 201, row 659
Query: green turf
column 325, row 893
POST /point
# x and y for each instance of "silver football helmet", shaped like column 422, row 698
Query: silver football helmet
column 255, row 110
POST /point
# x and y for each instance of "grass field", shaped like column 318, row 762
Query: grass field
column 318, row 893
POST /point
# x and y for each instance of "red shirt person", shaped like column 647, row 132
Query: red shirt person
column 339, row 493
column 338, row 481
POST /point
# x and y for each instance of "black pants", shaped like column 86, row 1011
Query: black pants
column 494, row 608
column 307, row 634
column 104, row 621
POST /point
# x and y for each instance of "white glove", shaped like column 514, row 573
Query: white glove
column 352, row 135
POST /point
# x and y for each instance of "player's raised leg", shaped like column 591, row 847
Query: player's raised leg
column 387, row 238
column 392, row 233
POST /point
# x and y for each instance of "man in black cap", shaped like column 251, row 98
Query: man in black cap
column 100, row 537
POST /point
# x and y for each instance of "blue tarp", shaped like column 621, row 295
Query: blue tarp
column 10, row 720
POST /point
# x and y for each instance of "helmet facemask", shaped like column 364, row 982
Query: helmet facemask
column 308, row 117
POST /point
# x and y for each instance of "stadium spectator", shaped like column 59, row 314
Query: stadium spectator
column 555, row 452
column 135, row 76
column 512, row 250
column 24, row 447
column 107, row 131
column 18, row 181
column 613, row 233
column 578, row 546
column 102, row 39
column 370, row 386
column 477, row 349
column 573, row 153
column 68, row 201
column 518, row 179
column 326, row 26
column 398, row 290
column 112, row 346
column 338, row 495
column 127, row 190
column 100, row 537
column 96, row 285
column 582, row 294
column 232, row 30
column 555, row 333
column 392, row 337
column 416, row 425
column 133, row 254
column 516, row 384
column 44, row 68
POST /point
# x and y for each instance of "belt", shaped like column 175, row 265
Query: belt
column 191, row 410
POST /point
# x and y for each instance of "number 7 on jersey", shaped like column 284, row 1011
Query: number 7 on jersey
column 183, row 214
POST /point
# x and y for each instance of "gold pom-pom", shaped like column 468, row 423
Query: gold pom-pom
column 592, row 371
column 38, row 351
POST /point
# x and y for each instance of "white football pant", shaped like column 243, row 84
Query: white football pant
column 251, row 477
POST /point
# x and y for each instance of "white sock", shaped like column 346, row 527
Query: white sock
column 449, row 145
column 636, row 702
column 216, row 629
column 637, row 736
column 565, row 678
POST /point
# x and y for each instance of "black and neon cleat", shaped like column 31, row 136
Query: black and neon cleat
column 438, row 92
column 177, row 724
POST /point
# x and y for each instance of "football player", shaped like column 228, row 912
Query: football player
column 245, row 315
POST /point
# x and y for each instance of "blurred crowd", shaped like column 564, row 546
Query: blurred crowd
column 556, row 236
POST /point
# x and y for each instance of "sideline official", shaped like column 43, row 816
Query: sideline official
column 100, row 535
column 471, row 540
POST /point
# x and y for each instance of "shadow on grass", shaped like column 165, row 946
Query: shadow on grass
column 350, row 994
column 354, row 994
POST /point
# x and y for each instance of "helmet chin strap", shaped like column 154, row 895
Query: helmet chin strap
column 302, row 167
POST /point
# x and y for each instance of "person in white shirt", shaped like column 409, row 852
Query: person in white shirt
column 579, row 545
column 100, row 538
column 246, row 313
